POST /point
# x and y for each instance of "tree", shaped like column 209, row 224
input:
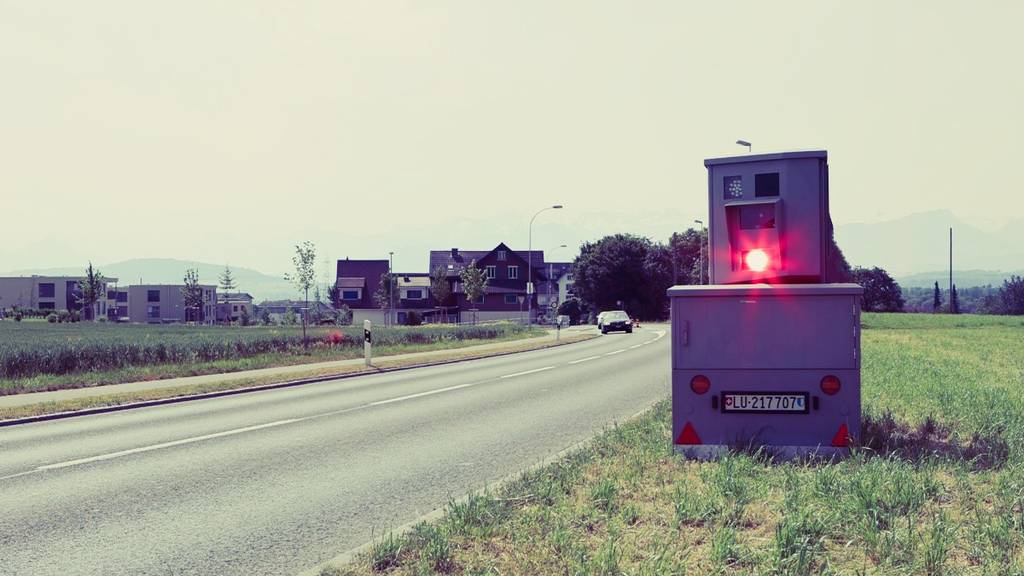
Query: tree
column 687, row 250
column 837, row 269
column 624, row 272
column 474, row 284
column 91, row 287
column 572, row 308
column 881, row 292
column 265, row 316
column 954, row 301
column 334, row 295
column 343, row 317
column 305, row 270
column 440, row 288
column 1009, row 299
column 382, row 297
column 243, row 317
column 227, row 280
column 937, row 299
column 192, row 295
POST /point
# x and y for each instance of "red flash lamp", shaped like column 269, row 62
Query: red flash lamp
column 757, row 260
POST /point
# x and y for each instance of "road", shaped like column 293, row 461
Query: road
column 277, row 482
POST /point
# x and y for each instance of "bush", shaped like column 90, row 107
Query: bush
column 51, row 318
column 413, row 318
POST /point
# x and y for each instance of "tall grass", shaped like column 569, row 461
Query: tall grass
column 32, row 349
column 937, row 489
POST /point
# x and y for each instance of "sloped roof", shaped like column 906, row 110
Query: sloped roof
column 455, row 263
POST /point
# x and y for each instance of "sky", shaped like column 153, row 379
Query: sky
column 231, row 131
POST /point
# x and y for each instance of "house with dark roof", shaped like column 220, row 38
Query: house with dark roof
column 359, row 280
column 507, row 274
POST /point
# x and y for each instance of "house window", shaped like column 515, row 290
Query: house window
column 122, row 296
column 234, row 308
column 511, row 299
column 46, row 290
column 153, row 296
column 152, row 312
column 513, row 272
column 479, row 299
column 501, row 254
column 47, row 306
column 492, row 272
column 111, row 294
column 568, row 277
column 350, row 294
column 766, row 184
column 414, row 295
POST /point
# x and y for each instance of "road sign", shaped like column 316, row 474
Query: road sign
column 367, row 341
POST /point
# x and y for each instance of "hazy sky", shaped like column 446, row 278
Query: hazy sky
column 228, row 131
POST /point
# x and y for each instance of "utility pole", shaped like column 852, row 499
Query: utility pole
column 950, row 269
column 391, row 288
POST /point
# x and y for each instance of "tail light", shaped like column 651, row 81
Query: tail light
column 830, row 385
column 700, row 384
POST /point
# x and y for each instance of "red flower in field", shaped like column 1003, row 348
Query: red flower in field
column 335, row 338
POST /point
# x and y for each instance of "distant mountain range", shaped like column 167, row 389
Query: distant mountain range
column 909, row 246
column 170, row 271
column 914, row 249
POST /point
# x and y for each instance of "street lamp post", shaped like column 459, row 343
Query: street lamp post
column 700, row 253
column 391, row 288
column 529, row 265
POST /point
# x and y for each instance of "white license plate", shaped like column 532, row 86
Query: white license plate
column 778, row 402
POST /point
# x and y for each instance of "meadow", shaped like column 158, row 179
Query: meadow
column 936, row 485
column 45, row 356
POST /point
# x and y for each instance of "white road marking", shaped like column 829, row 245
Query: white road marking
column 528, row 372
column 163, row 445
column 635, row 346
column 421, row 394
column 194, row 439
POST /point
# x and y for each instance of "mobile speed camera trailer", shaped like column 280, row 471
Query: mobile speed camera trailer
column 768, row 356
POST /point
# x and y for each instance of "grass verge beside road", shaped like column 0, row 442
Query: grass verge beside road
column 37, row 357
column 938, row 487
column 385, row 358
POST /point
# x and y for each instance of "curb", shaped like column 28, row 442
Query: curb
column 260, row 388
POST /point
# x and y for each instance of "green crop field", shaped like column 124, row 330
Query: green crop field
column 936, row 488
column 44, row 356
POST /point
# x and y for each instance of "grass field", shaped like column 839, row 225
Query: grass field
column 38, row 356
column 939, row 488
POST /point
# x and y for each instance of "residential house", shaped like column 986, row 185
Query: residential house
column 507, row 275
column 358, row 280
column 231, row 307
column 555, row 290
column 47, row 293
column 164, row 304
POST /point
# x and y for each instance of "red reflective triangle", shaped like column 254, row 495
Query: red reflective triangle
column 688, row 435
column 842, row 437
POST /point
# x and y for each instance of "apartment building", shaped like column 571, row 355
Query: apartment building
column 164, row 304
column 47, row 293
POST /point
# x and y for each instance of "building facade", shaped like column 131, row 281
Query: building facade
column 54, row 293
column 164, row 304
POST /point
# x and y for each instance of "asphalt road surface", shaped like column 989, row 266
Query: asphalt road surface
column 277, row 482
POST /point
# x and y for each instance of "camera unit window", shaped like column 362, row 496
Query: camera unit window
column 766, row 184
column 757, row 216
column 733, row 187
